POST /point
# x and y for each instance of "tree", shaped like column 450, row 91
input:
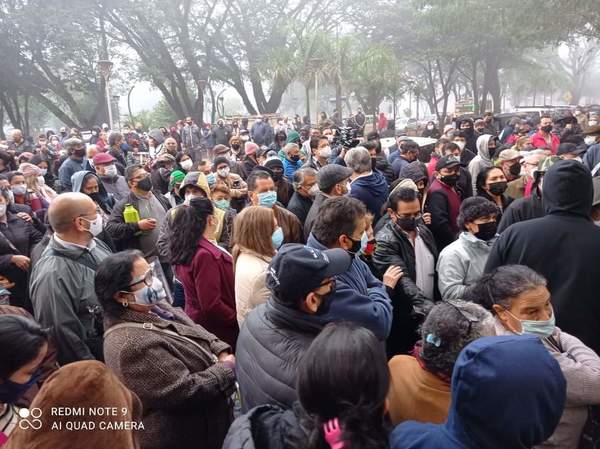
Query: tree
column 579, row 62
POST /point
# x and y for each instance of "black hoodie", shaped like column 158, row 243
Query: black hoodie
column 564, row 247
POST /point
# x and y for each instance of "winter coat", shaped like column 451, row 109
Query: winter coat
column 272, row 342
column 372, row 190
column 515, row 373
column 563, row 246
column 185, row 394
column 300, row 206
column 443, row 202
column 313, row 213
column 66, row 170
column 262, row 133
column 115, row 186
column 209, row 291
column 221, row 135
column 359, row 297
column 522, row 209
column 385, row 168
column 290, row 167
column 482, row 161
column 250, row 282
column 410, row 305
column 64, row 300
column 461, row 264
column 538, row 141
column 591, row 158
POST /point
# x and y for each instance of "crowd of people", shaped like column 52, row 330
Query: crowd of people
column 297, row 285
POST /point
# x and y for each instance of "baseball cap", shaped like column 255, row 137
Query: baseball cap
column 447, row 161
column 565, row 148
column 332, row 174
column 297, row 269
column 103, row 158
column 509, row 155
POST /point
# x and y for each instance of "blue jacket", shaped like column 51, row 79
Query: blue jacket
column 507, row 393
column 289, row 168
column 68, row 168
column 372, row 190
column 359, row 297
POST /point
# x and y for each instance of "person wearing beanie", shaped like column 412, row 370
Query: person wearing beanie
column 284, row 188
column 108, row 173
column 250, row 160
column 238, row 189
column 175, row 181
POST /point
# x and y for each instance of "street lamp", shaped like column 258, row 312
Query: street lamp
column 105, row 66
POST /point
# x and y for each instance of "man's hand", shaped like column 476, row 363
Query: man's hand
column 392, row 276
column 147, row 224
column 21, row 262
column 226, row 357
column 25, row 216
column 427, row 218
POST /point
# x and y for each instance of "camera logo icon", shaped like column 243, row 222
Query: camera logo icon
column 30, row 418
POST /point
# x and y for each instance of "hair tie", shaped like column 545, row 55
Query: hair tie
column 434, row 340
column 333, row 434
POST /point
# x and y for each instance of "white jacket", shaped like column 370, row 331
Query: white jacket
column 250, row 282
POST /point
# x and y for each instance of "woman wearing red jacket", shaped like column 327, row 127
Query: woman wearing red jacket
column 204, row 269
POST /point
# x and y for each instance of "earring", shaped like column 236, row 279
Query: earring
column 125, row 304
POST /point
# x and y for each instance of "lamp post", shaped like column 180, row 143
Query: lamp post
column 105, row 66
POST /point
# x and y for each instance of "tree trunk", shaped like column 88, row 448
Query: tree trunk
column 307, row 96
column 491, row 83
column 2, row 135
column 338, row 95
column 26, row 115
column 213, row 107
column 475, row 87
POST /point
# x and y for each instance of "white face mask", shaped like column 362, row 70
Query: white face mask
column 187, row 164
column 590, row 140
column 592, row 122
column 110, row 170
column 44, row 171
column 223, row 172
column 188, row 198
column 461, row 144
column 95, row 225
column 314, row 190
column 325, row 152
column 2, row 210
column 41, row 181
column 578, row 159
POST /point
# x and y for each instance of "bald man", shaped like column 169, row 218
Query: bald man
column 62, row 281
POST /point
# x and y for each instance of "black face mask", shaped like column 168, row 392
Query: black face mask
column 407, row 224
column 145, row 184
column 79, row 153
column 235, row 147
column 95, row 197
column 373, row 163
column 487, row 231
column 498, row 188
column 276, row 176
column 515, row 169
column 355, row 246
column 546, row 128
column 325, row 301
column 450, row 180
column 295, row 158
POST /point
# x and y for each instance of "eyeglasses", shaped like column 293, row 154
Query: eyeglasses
column 465, row 313
column 146, row 279
column 415, row 216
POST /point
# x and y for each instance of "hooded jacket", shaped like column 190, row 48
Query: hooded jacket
column 372, row 190
column 461, row 263
column 106, row 200
column 563, row 246
column 482, row 160
column 471, row 136
column 523, row 209
column 507, row 392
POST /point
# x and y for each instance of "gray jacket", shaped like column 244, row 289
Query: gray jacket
column 116, row 186
column 482, row 160
column 461, row 263
column 64, row 300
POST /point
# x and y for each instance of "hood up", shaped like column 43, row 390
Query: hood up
column 483, row 149
column 77, row 183
column 568, row 189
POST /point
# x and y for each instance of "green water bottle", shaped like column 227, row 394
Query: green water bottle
column 130, row 214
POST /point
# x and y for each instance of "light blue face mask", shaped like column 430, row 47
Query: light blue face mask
column 277, row 237
column 267, row 199
column 222, row 204
column 542, row 329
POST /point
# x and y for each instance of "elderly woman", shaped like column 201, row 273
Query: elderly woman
column 291, row 161
column 520, row 301
column 182, row 374
column 462, row 262
column 36, row 182
column 420, row 384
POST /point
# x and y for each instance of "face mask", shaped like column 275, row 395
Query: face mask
column 189, row 196
column 590, row 140
column 79, row 153
column 407, row 224
column 461, row 144
column 430, row 127
column 313, row 190
column 542, row 329
column 210, row 178
column 11, row 391
column 498, row 188
column 578, row 159
column 2, row 210
column 187, row 164
column 223, row 172
column 295, row 158
column 95, row 225
column 235, row 147
column 44, row 171
column 165, row 173
column 41, row 181
column 19, row 189
column 276, row 176
column 145, row 184
column 325, row 152
column 277, row 237
column 487, row 231
column 222, row 204
column 267, row 199
column 110, row 171
column 151, row 295
column 592, row 123
column 450, row 180
column 373, row 163
column 546, row 128
column 515, row 169
column 358, row 245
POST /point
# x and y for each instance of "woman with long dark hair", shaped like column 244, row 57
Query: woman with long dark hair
column 204, row 269
column 491, row 184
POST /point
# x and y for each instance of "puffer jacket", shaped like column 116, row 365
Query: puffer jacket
column 410, row 303
column 482, row 160
column 64, row 299
column 270, row 348
column 461, row 263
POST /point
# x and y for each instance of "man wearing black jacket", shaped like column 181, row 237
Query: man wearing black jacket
column 563, row 246
column 407, row 243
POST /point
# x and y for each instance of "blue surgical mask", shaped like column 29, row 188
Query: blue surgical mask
column 267, row 199
column 542, row 329
column 222, row 204
column 277, row 237
column 151, row 295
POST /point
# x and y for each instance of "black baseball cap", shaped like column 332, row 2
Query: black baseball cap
column 568, row 147
column 296, row 270
column 447, row 161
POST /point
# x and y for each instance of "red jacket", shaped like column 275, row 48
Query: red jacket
column 538, row 141
column 209, row 291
